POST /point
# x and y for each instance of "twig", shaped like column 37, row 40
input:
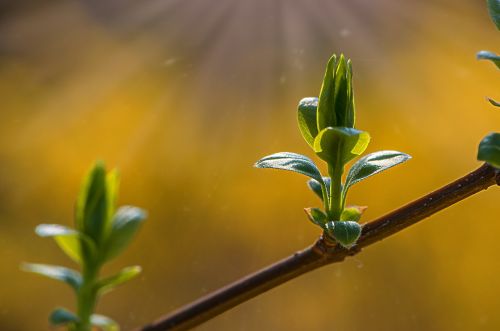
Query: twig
column 324, row 252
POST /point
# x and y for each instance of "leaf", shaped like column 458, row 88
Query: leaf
column 291, row 162
column 352, row 213
column 126, row 274
column 61, row 316
column 494, row 10
column 104, row 323
column 372, row 164
column 345, row 233
column 67, row 239
column 69, row 276
column 489, row 149
column 336, row 99
column 315, row 186
column 125, row 224
column 306, row 114
column 316, row 216
column 326, row 112
column 344, row 107
column 486, row 55
column 340, row 145
column 91, row 207
column 494, row 103
column 112, row 188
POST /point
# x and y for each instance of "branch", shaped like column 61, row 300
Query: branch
column 324, row 252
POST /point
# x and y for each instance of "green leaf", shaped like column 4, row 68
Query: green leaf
column 123, row 276
column 352, row 213
column 489, row 149
column 61, row 316
column 291, row 162
column 340, row 145
column 494, row 10
column 112, row 188
column 317, row 216
column 344, row 106
column 125, row 224
column 326, row 111
column 91, row 207
column 336, row 99
column 494, row 103
column 69, row 276
column 69, row 240
column 345, row 233
column 486, row 55
column 315, row 186
column 104, row 323
column 372, row 164
column 307, row 119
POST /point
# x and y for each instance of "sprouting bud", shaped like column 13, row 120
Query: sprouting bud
column 336, row 99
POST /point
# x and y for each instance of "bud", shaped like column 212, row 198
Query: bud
column 336, row 99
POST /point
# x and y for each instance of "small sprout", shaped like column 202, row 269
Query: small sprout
column 101, row 233
column 327, row 125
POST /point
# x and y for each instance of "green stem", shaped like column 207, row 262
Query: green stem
column 326, row 199
column 87, row 297
column 336, row 191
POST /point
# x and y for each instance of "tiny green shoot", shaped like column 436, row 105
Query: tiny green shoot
column 327, row 125
column 101, row 233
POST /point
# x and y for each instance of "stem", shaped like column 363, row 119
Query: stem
column 87, row 298
column 324, row 252
column 335, row 191
column 326, row 199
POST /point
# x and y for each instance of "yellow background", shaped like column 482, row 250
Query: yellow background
column 184, row 96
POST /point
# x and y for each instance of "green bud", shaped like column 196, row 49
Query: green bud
column 336, row 100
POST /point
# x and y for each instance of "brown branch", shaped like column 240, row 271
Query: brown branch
column 324, row 252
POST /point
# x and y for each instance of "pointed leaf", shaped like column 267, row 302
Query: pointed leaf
column 345, row 233
column 112, row 188
column 104, row 323
column 352, row 213
column 317, row 216
column 125, row 224
column 315, row 186
column 489, row 149
column 69, row 276
column 343, row 97
column 340, row 145
column 61, row 316
column 372, row 164
column 494, row 10
column 69, row 240
column 486, row 55
column 291, row 162
column 123, row 276
column 326, row 111
column 307, row 119
column 91, row 207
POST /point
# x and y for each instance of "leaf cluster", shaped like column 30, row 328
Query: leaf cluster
column 102, row 231
column 327, row 125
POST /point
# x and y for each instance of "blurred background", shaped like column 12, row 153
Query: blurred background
column 184, row 96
